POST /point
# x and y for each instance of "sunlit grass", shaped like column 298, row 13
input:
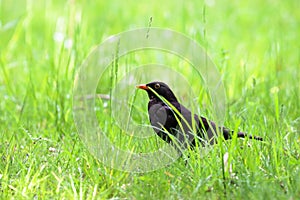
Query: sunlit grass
column 255, row 48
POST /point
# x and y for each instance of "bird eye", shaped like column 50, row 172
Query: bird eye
column 156, row 86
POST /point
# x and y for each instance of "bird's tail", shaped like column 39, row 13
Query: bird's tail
column 227, row 134
column 243, row 135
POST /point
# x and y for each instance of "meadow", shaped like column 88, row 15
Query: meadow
column 254, row 45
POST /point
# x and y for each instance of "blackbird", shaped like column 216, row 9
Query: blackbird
column 175, row 123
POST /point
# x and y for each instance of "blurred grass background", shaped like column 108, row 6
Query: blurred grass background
column 254, row 45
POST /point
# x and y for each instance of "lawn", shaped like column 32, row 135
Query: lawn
column 43, row 46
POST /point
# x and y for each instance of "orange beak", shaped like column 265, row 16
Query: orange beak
column 143, row 87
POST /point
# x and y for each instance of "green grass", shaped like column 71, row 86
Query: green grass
column 255, row 47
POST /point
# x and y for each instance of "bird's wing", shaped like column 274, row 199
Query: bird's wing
column 161, row 117
column 188, row 125
column 196, row 126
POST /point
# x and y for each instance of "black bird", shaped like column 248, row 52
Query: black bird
column 174, row 122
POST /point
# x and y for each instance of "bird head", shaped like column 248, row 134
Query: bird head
column 159, row 88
